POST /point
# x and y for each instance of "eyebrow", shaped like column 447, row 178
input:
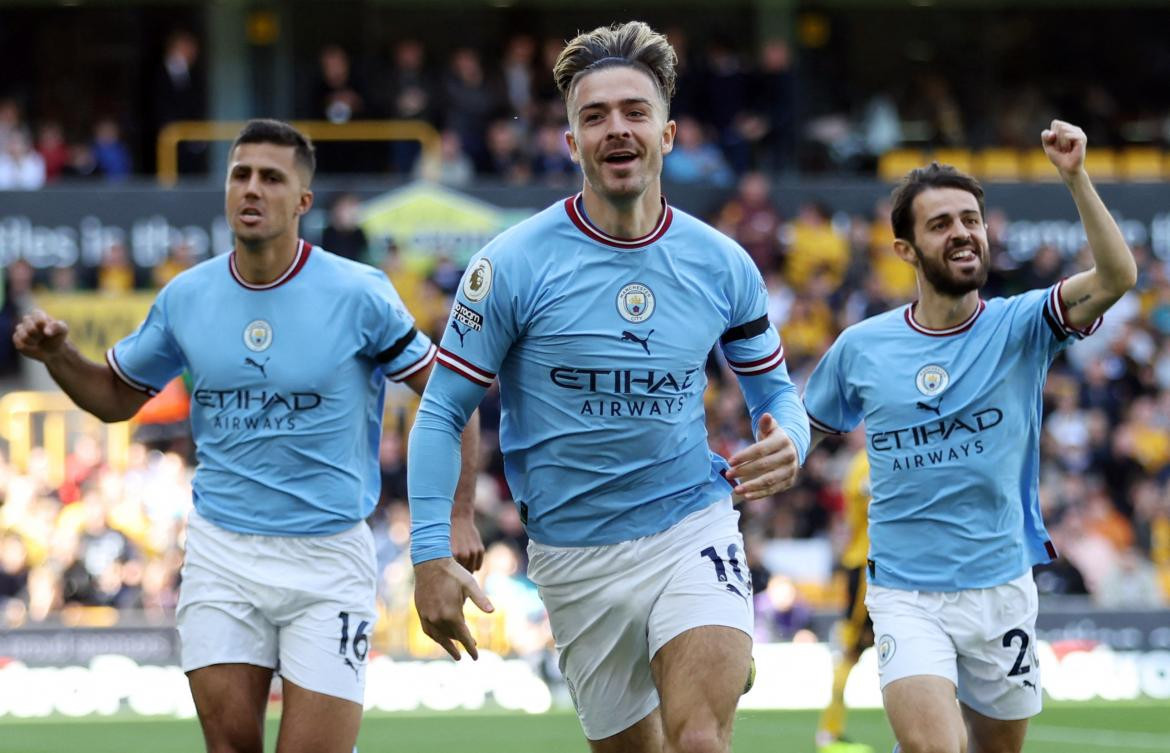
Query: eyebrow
column 944, row 215
column 602, row 103
column 263, row 170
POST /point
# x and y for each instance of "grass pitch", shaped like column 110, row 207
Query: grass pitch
column 1064, row 728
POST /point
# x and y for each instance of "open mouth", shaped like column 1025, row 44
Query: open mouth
column 963, row 255
column 620, row 159
column 251, row 215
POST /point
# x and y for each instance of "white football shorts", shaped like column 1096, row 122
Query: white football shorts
column 983, row 640
column 612, row 607
column 303, row 606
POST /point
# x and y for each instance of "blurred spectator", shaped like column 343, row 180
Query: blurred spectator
column 454, row 167
column 343, row 235
column 179, row 94
column 752, row 219
column 815, row 247
column 338, row 97
column 695, row 160
column 1132, row 583
column 781, row 613
column 115, row 274
column 11, row 120
column 53, row 149
column 21, row 167
column 469, row 104
column 180, row 257
column 519, row 74
column 506, row 157
column 551, row 164
column 111, row 155
column 411, row 96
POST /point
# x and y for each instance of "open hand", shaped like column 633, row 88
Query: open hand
column 767, row 467
column 440, row 588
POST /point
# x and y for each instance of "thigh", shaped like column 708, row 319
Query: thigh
column 644, row 736
column 700, row 675
column 598, row 603
column 312, row 722
column 924, row 715
column 989, row 735
column 230, row 700
column 911, row 636
column 999, row 677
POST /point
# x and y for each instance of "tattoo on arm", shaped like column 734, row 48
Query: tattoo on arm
column 1079, row 301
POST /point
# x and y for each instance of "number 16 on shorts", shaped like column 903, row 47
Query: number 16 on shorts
column 359, row 647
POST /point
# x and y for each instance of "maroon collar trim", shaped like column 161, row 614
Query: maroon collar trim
column 298, row 263
column 949, row 331
column 577, row 215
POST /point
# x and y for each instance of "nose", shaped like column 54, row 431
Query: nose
column 253, row 186
column 619, row 126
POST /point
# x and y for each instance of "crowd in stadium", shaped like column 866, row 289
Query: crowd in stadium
column 107, row 538
column 500, row 117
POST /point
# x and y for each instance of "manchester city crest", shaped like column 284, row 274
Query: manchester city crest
column 932, row 380
column 635, row 302
column 258, row 335
column 886, row 646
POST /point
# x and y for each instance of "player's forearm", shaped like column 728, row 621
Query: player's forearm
column 93, row 386
column 433, row 461
column 464, row 505
column 1116, row 270
column 774, row 393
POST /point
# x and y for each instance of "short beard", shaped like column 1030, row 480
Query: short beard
column 945, row 283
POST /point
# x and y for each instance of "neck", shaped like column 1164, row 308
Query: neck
column 624, row 219
column 937, row 311
column 262, row 262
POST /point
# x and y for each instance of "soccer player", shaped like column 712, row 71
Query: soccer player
column 288, row 347
column 597, row 315
column 855, row 629
column 949, row 388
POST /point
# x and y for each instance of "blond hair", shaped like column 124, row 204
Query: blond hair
column 633, row 44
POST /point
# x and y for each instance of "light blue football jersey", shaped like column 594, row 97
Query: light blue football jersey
column 599, row 345
column 952, row 421
column 288, row 384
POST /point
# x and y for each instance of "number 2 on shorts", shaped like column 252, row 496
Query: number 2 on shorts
column 1019, row 668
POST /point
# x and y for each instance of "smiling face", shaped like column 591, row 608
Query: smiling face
column 266, row 193
column 950, row 241
column 619, row 132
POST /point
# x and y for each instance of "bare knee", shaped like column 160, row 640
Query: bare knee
column 698, row 737
column 924, row 743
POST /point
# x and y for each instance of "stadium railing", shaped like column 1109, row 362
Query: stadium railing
column 48, row 419
column 173, row 134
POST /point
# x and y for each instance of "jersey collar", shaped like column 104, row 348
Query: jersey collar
column 576, row 210
column 959, row 328
column 297, row 264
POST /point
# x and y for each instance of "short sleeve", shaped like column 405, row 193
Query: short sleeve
column 833, row 408
column 483, row 322
column 391, row 336
column 148, row 357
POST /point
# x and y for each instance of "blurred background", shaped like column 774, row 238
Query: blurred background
column 437, row 126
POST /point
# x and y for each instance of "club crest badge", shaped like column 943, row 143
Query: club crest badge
column 635, row 302
column 932, row 380
column 258, row 336
column 886, row 646
column 478, row 281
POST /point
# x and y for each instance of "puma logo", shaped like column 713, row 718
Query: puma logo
column 936, row 409
column 1029, row 684
column 352, row 666
column 630, row 337
column 460, row 332
column 263, row 372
